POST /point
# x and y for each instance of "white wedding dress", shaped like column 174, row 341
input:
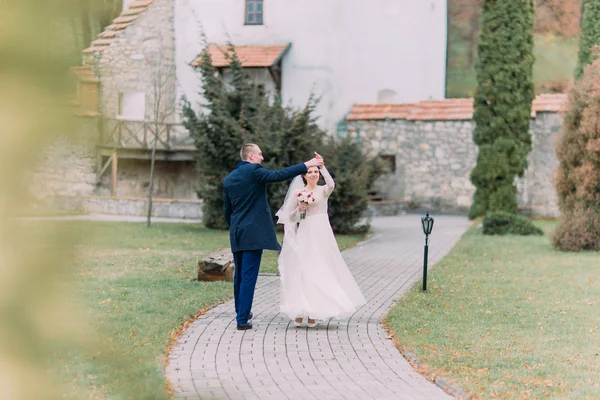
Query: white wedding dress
column 315, row 280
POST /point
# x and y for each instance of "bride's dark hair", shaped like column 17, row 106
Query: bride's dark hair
column 304, row 179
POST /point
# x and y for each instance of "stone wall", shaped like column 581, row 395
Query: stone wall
column 434, row 160
column 131, row 62
column 172, row 179
column 165, row 208
column 67, row 166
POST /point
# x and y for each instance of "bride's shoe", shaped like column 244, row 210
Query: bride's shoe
column 298, row 321
column 311, row 323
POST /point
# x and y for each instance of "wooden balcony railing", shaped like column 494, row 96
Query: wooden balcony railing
column 140, row 135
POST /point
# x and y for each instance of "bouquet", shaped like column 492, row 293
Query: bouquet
column 307, row 198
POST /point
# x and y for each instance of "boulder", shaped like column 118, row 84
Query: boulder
column 217, row 266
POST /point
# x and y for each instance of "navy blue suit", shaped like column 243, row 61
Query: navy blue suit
column 251, row 228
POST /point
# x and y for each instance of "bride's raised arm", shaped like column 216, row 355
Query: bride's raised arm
column 329, row 183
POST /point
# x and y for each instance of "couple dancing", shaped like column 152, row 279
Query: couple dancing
column 315, row 281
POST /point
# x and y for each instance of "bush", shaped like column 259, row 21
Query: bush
column 578, row 177
column 504, row 223
column 354, row 173
column 578, row 231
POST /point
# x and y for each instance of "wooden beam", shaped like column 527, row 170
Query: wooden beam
column 114, row 174
column 105, row 167
column 275, row 72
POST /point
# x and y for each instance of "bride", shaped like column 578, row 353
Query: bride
column 315, row 281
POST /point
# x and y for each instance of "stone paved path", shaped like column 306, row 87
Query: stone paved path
column 347, row 359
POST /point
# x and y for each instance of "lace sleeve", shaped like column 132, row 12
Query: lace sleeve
column 295, row 214
column 329, row 183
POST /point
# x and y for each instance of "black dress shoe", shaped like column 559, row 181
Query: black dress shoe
column 243, row 327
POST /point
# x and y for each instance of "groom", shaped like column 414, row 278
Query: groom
column 250, row 222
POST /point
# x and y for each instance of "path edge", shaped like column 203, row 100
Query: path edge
column 442, row 383
column 174, row 338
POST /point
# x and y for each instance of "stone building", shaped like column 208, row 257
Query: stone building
column 126, row 101
column 430, row 152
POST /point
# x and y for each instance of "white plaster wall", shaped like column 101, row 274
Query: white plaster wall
column 345, row 51
column 126, row 4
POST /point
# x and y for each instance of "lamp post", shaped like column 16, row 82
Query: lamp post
column 427, row 223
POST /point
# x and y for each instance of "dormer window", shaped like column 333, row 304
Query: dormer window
column 254, row 12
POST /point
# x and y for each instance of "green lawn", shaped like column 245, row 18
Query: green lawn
column 555, row 63
column 508, row 317
column 133, row 287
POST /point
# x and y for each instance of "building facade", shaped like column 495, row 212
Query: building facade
column 430, row 153
column 341, row 51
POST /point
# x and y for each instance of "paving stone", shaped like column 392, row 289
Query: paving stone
column 345, row 359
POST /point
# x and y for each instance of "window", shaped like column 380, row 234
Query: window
column 132, row 106
column 254, row 12
column 389, row 163
column 261, row 90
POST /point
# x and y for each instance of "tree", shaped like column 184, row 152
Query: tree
column 94, row 16
column 590, row 35
column 578, row 176
column 502, row 103
column 354, row 171
column 464, row 20
column 220, row 130
column 162, row 87
column 236, row 113
column 559, row 17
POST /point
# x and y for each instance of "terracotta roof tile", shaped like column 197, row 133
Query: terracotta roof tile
column 125, row 19
column 120, row 23
column 108, row 34
column 550, row 102
column 101, row 42
column 443, row 110
column 250, row 56
column 140, row 3
column 117, row 27
column 133, row 11
column 93, row 49
column 380, row 111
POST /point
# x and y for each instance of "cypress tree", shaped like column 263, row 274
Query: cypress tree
column 502, row 103
column 590, row 35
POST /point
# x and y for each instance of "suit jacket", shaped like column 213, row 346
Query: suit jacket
column 246, row 209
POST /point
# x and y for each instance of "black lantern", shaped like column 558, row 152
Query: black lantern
column 427, row 223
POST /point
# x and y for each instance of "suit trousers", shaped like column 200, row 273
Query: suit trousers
column 247, row 265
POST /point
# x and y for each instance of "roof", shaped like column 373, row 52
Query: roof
column 126, row 18
column 443, row 110
column 250, row 56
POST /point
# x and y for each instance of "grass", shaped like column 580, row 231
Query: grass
column 555, row 63
column 507, row 317
column 134, row 290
